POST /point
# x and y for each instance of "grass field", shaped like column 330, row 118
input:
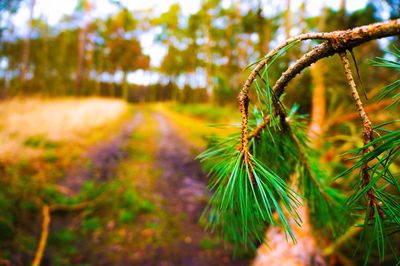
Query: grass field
column 30, row 125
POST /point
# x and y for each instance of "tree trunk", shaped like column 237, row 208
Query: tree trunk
column 81, row 55
column 278, row 250
column 26, row 47
column 81, row 49
column 264, row 34
column 318, row 101
column 125, row 89
column 210, row 85
column 288, row 20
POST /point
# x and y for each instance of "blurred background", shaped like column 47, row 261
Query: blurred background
column 104, row 104
column 159, row 50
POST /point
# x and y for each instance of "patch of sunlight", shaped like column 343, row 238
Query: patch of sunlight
column 195, row 129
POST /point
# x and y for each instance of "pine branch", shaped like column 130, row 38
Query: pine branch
column 247, row 191
column 336, row 42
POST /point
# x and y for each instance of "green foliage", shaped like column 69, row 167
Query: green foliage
column 90, row 224
column 390, row 90
column 245, row 196
column 206, row 111
column 40, row 141
column 249, row 187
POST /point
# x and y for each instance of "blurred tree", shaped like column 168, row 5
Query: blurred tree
column 125, row 52
column 26, row 46
column 83, row 7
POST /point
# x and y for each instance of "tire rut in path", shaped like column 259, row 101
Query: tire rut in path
column 103, row 158
column 182, row 185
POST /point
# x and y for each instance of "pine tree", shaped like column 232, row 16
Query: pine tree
column 263, row 173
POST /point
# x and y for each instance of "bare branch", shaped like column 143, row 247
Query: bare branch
column 367, row 127
column 337, row 42
column 43, row 236
column 367, row 135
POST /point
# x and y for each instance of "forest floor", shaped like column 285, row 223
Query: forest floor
column 143, row 193
column 170, row 232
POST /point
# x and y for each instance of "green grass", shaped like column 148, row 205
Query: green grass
column 208, row 112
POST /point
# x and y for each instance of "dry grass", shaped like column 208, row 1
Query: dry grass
column 65, row 120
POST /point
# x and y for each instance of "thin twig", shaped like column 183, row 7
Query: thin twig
column 367, row 128
column 341, row 39
column 367, row 134
column 43, row 235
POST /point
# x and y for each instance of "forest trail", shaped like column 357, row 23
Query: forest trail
column 180, row 193
column 182, row 184
column 103, row 157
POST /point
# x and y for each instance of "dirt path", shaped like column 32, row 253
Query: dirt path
column 181, row 195
column 103, row 158
column 183, row 187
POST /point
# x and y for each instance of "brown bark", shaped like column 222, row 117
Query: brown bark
column 367, row 136
column 336, row 41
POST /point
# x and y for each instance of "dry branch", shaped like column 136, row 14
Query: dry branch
column 367, row 133
column 336, row 42
column 43, row 235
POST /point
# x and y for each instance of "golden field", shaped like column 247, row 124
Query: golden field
column 27, row 121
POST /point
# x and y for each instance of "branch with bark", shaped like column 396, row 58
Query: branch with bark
column 336, row 42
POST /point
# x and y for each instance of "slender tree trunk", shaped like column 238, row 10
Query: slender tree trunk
column 264, row 34
column 288, row 20
column 99, row 71
column 87, row 81
column 6, row 83
column 26, row 46
column 125, row 89
column 342, row 8
column 210, row 85
column 81, row 49
column 318, row 98
column 81, row 55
